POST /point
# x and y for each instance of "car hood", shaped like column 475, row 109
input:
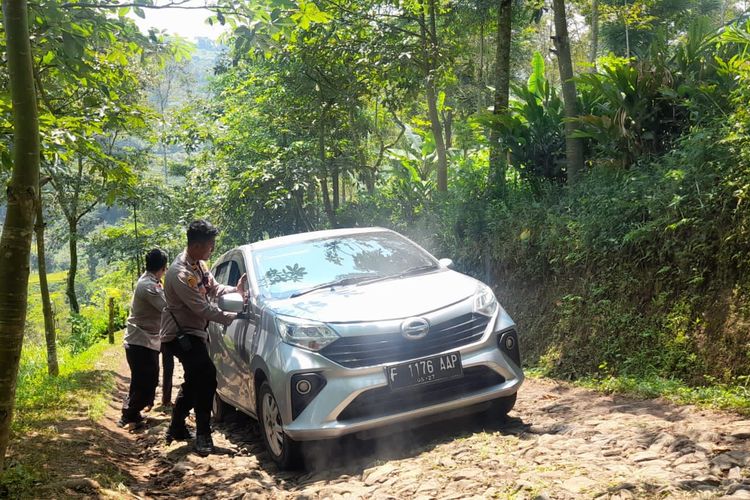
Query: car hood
column 383, row 300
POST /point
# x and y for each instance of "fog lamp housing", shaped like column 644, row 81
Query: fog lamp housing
column 507, row 342
column 304, row 388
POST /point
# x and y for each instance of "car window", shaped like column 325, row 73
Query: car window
column 283, row 270
column 235, row 272
column 220, row 274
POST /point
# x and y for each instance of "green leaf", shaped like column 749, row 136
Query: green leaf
column 48, row 57
column 536, row 79
column 123, row 11
column 71, row 46
column 139, row 12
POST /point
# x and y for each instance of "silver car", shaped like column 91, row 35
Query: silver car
column 350, row 330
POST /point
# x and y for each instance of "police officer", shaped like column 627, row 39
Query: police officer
column 142, row 343
column 190, row 288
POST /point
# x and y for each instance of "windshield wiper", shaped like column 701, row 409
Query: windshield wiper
column 409, row 272
column 340, row 282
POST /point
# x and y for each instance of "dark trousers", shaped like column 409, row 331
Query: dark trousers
column 197, row 391
column 167, row 365
column 144, row 377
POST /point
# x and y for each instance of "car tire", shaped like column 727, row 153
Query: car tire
column 283, row 450
column 502, row 406
column 220, row 409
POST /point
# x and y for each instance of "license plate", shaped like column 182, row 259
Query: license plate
column 423, row 371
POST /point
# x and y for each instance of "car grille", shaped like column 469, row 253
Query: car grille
column 371, row 350
column 384, row 401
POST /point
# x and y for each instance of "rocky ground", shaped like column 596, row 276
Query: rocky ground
column 559, row 442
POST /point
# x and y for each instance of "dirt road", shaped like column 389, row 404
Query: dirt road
column 560, row 442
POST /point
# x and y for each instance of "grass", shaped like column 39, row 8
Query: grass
column 52, row 278
column 44, row 404
column 734, row 397
column 84, row 385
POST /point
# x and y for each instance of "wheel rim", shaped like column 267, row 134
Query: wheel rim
column 272, row 425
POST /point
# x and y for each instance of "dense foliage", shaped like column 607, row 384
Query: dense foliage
column 346, row 113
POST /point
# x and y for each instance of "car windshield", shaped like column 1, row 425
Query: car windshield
column 295, row 269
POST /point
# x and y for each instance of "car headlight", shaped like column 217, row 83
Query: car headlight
column 484, row 300
column 307, row 334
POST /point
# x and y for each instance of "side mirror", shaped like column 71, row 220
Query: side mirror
column 446, row 263
column 232, row 302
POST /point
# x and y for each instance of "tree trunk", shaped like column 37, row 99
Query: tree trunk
column 15, row 243
column 480, row 71
column 502, row 91
column 165, row 163
column 431, row 49
column 437, row 132
column 335, row 184
column 70, row 289
column 324, row 175
column 49, row 319
column 594, row 34
column 573, row 146
column 138, row 257
column 111, row 322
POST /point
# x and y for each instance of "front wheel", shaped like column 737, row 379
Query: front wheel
column 220, row 409
column 283, row 450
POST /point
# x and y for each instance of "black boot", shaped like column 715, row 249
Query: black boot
column 178, row 432
column 204, row 444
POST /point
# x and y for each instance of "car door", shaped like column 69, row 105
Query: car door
column 238, row 340
column 218, row 342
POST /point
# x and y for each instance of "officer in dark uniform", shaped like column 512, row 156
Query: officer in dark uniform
column 190, row 288
column 142, row 343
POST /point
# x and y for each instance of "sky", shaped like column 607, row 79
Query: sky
column 186, row 23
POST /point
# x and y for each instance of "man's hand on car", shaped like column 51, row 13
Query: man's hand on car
column 242, row 286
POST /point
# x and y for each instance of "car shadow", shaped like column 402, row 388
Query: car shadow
column 351, row 455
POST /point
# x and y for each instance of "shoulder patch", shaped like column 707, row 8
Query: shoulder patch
column 192, row 281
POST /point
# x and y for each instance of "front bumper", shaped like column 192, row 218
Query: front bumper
column 330, row 414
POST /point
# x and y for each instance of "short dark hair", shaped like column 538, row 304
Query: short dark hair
column 201, row 231
column 156, row 259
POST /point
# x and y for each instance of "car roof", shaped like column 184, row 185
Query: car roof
column 310, row 236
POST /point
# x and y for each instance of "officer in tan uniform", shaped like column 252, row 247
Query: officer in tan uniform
column 142, row 342
column 190, row 288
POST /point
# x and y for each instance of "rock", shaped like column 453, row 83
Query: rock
column 690, row 467
column 734, row 473
column 470, row 473
column 738, row 487
column 578, row 484
column 663, row 441
column 378, row 474
column 701, row 483
column 738, row 495
column 81, row 484
column 687, row 458
column 739, row 429
column 680, row 444
column 182, row 467
column 622, row 486
column 726, row 461
column 644, row 456
column 429, row 486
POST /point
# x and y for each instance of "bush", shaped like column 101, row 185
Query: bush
column 82, row 335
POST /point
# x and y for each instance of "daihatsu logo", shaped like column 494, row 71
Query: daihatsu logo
column 415, row 328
